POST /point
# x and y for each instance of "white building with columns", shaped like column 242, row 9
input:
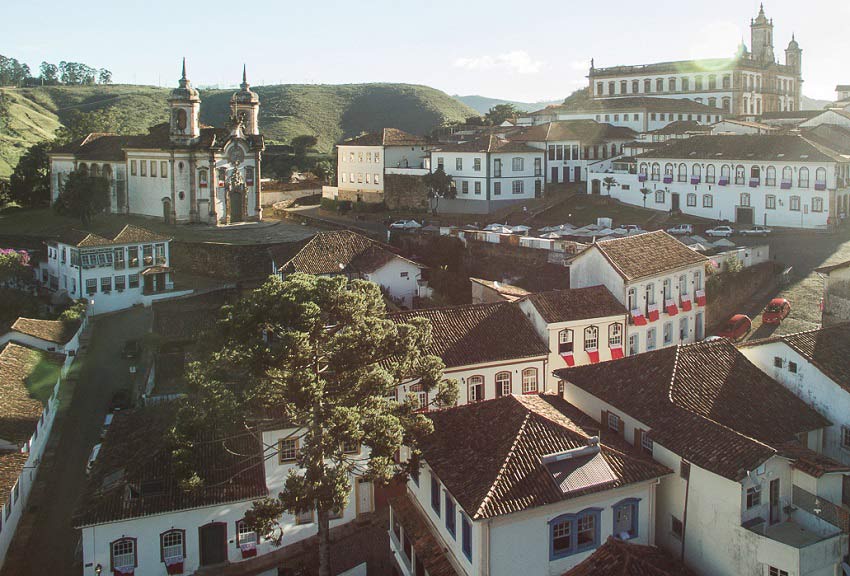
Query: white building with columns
column 180, row 171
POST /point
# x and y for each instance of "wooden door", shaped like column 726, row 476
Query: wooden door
column 775, row 515
column 213, row 543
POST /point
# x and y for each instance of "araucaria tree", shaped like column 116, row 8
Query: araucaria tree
column 319, row 354
column 83, row 196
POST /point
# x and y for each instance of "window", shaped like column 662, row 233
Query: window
column 464, row 187
column 656, row 172
column 817, row 204
column 792, row 367
column 497, row 188
column 478, row 187
column 659, row 196
column 615, row 335
column 614, row 422
column 476, row 164
column 845, row 437
column 646, row 443
column 634, row 344
column 692, row 199
column 305, row 517
column 503, row 384
column 249, row 175
column 676, row 527
column 794, row 203
column 153, row 168
column 647, row 85
column 132, row 168
column 91, row 285
column 287, row 450
column 650, row 339
column 497, row 168
column 739, row 175
column 466, row 536
column 435, row 494
column 753, row 496
column 803, row 179
column 659, row 85
column 517, row 164
column 635, row 86
column 123, row 554
column 517, row 187
column 120, row 282
column 820, row 177
column 350, row 447
column 106, row 284
column 626, row 519
column 668, row 333
column 538, row 167
column 451, row 516
column 172, row 546
column 770, row 176
column 245, row 535
column 707, row 201
column 573, row 533
column 745, row 199
column 565, row 341
column 133, row 280
column 562, row 537
column 529, row 381
column 475, row 386
column 770, row 202
column 143, row 165
column 683, row 173
column 772, row 571
column 458, row 164
column 591, row 338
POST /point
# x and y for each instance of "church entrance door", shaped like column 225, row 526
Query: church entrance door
column 236, row 207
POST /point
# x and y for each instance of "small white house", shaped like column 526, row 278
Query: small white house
column 26, row 419
column 342, row 252
column 129, row 269
column 751, row 473
column 519, row 485
column 48, row 335
column 492, row 350
column 836, row 293
column 136, row 519
column 658, row 279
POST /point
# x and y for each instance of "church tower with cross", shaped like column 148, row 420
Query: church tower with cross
column 245, row 106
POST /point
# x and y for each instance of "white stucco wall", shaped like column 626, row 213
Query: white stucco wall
column 399, row 277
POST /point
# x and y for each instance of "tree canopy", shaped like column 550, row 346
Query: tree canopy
column 499, row 113
column 29, row 184
column 15, row 73
column 83, row 196
column 319, row 354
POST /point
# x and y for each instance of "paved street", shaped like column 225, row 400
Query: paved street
column 75, row 432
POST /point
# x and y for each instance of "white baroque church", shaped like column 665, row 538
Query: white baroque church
column 180, row 171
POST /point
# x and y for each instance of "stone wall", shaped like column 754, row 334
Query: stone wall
column 731, row 293
column 836, row 305
column 403, row 192
column 223, row 261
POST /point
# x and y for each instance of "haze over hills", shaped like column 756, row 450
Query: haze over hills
column 482, row 104
column 329, row 112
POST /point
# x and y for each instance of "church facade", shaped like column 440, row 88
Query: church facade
column 751, row 83
column 180, row 171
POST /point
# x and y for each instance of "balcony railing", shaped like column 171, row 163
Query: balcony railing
column 822, row 508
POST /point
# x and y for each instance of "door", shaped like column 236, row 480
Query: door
column 364, row 496
column 538, row 189
column 674, row 201
column 213, row 543
column 166, row 210
column 744, row 215
column 774, row 501
column 596, row 186
column 577, row 176
column 235, row 207
column 554, row 174
column 566, row 173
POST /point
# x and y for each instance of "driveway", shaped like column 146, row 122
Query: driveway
column 62, row 478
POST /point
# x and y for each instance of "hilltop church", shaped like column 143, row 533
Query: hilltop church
column 753, row 82
column 180, row 171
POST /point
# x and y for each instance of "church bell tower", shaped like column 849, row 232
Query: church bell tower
column 761, row 38
column 245, row 106
column 185, row 120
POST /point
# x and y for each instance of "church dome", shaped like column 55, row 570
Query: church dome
column 185, row 91
column 245, row 94
column 792, row 45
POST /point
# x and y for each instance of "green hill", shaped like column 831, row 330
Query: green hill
column 329, row 112
column 482, row 104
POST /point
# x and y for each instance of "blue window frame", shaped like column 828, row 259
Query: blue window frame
column 573, row 533
column 435, row 494
column 626, row 518
column 466, row 536
column 451, row 516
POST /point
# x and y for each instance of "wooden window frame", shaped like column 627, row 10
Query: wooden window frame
column 280, row 458
column 162, row 542
column 112, row 551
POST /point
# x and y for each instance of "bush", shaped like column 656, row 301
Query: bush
column 332, row 205
column 369, row 207
column 74, row 313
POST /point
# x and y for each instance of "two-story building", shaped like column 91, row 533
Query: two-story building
column 659, row 280
column 29, row 387
column 343, row 252
column 774, row 180
column 491, row 350
column 753, row 493
column 519, row 485
column 136, row 518
column 114, row 273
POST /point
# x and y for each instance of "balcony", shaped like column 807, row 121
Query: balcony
column 820, row 185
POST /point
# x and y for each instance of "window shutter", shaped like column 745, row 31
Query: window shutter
column 603, row 424
column 638, row 438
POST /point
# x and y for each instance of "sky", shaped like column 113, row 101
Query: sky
column 498, row 48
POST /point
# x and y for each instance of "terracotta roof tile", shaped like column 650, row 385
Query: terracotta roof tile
column 588, row 132
column 619, row 558
column 508, row 291
column 386, row 137
column 341, row 252
column 55, row 331
column 644, row 103
column 489, row 144
column 647, row 254
column 19, row 411
column 96, row 146
column 428, row 548
column 488, row 454
column 11, row 466
column 706, row 402
column 476, row 333
column 576, row 304
column 129, row 234
column 743, row 147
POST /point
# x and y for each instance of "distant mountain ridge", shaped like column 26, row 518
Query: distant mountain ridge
column 482, row 104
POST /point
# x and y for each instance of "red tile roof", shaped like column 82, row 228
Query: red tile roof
column 96, row 146
column 509, row 292
column 55, row 331
column 588, row 132
column 648, row 254
column 619, row 558
column 635, row 103
column 19, row 410
column 743, row 147
column 341, row 252
column 129, row 234
column 386, row 137
column 576, row 304
column 428, row 549
column 488, row 454
column 706, row 402
column 489, row 144
column 478, row 333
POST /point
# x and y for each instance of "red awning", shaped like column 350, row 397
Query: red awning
column 671, row 308
column 700, row 298
column 616, row 352
column 686, row 303
column 569, row 359
column 638, row 319
column 594, row 356
column 653, row 313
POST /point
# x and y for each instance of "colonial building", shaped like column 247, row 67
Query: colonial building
column 136, row 519
column 753, row 492
column 774, row 180
column 26, row 419
column 751, row 82
column 658, row 279
column 353, row 255
column 180, row 171
column 491, row 350
column 114, row 273
column 520, row 485
column 364, row 162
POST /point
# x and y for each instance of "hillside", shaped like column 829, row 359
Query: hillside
column 482, row 104
column 330, row 112
column 813, row 104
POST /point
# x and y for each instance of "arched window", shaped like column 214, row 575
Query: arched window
column 181, row 119
column 565, row 341
column 203, row 177
column 755, row 174
column 604, row 151
column 712, row 102
column 671, row 84
column 724, row 173
column 696, row 171
column 712, row 82
column 820, row 177
column 643, row 168
column 770, row 176
column 707, row 201
column 623, row 86
column 656, row 171
column 804, row 178
column 647, row 86
column 727, row 82
column 615, row 335
column 686, row 84
column 698, row 83
column 246, row 537
column 529, row 381
column 668, row 169
column 692, row 199
column 635, row 86
column 123, row 555
column 591, row 338
column 683, row 172
column 745, row 199
column 107, row 171
column 739, row 174
column 172, row 546
column 503, row 384
column 475, row 388
column 709, row 173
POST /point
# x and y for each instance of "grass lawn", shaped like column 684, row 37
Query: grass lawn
column 43, row 378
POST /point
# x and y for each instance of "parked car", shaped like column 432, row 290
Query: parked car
column 131, row 349
column 92, row 457
column 756, row 231
column 120, row 400
column 405, row 225
column 737, row 327
column 776, row 311
column 630, row 228
column 107, row 422
column 681, row 229
column 720, row 232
